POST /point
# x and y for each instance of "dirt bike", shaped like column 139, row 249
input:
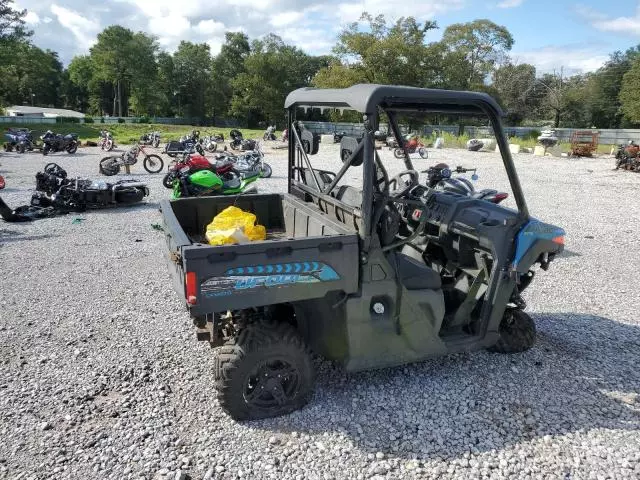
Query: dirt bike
column 111, row 165
column 411, row 147
column 106, row 141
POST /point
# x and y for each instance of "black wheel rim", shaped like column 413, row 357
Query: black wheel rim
column 272, row 384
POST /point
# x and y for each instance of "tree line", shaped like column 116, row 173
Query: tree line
column 126, row 73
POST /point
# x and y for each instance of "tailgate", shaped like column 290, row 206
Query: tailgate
column 175, row 239
column 271, row 272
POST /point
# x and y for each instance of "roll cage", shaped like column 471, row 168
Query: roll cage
column 370, row 100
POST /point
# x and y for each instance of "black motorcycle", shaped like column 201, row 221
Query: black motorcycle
column 54, row 142
column 187, row 144
column 152, row 139
column 440, row 177
column 55, row 189
column 239, row 143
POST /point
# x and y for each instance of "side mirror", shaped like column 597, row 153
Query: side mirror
column 474, row 177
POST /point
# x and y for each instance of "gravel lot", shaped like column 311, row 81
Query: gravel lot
column 101, row 375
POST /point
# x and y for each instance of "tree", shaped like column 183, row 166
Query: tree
column 382, row 53
column 629, row 93
column 126, row 61
column 272, row 70
column 472, row 51
column 514, row 85
column 226, row 66
column 81, row 79
column 12, row 23
column 191, row 73
column 604, row 89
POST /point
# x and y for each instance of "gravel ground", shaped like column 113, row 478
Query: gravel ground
column 101, row 375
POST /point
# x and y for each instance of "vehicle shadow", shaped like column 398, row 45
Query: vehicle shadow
column 582, row 375
column 7, row 236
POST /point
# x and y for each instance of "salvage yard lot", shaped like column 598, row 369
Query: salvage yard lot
column 101, row 375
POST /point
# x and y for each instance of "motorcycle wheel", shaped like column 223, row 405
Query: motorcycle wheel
column 71, row 149
column 152, row 163
column 20, row 148
column 234, row 146
column 108, row 145
column 423, row 152
column 212, row 147
column 398, row 153
column 46, row 149
column 109, row 167
column 199, row 149
column 167, row 181
column 156, row 143
column 265, row 170
column 129, row 195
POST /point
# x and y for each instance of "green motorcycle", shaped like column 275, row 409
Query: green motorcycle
column 207, row 183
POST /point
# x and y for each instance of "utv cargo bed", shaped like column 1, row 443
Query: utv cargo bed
column 306, row 254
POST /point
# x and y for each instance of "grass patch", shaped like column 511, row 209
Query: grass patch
column 126, row 133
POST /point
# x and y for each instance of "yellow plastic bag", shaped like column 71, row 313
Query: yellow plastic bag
column 234, row 225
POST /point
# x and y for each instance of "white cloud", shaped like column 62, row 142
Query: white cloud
column 626, row 25
column 210, row 27
column 47, row 20
column 572, row 59
column 285, row 18
column 510, row 3
column 82, row 28
column 32, row 18
column 351, row 11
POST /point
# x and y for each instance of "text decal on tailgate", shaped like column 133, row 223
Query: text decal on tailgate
column 265, row 276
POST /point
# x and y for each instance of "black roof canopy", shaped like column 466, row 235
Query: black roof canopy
column 365, row 98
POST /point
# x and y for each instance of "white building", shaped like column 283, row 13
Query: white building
column 27, row 111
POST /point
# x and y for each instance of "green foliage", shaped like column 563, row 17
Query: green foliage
column 88, row 120
column 472, row 50
column 514, row 84
column 121, row 120
column 12, row 25
column 144, row 119
column 630, row 93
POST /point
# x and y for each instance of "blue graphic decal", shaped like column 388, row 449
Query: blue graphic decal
column 532, row 231
column 254, row 276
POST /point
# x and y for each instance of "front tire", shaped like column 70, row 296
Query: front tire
column 265, row 371
column 167, row 181
column 152, row 163
column 398, row 153
column 71, row 149
column 265, row 170
column 517, row 332
column 46, row 149
column 423, row 152
column 109, row 167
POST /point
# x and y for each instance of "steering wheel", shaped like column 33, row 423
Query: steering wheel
column 399, row 187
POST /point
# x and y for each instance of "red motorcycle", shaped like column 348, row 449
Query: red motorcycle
column 223, row 168
column 2, row 183
column 412, row 146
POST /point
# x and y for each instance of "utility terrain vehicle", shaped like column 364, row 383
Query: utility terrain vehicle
column 392, row 273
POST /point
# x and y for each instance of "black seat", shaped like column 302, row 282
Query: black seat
column 350, row 195
column 415, row 275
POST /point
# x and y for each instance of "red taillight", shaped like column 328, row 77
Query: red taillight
column 559, row 240
column 191, row 285
column 498, row 197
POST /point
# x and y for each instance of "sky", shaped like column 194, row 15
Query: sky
column 575, row 36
